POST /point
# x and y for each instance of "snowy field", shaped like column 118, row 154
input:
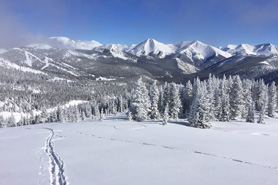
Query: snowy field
column 117, row 151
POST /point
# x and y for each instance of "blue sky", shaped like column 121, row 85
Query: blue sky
column 215, row 22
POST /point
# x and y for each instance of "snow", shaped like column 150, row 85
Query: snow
column 264, row 62
column 17, row 115
column 8, row 64
column 186, row 67
column 151, row 46
column 199, row 50
column 116, row 151
column 29, row 56
column 245, row 49
column 70, row 103
column 28, row 60
column 3, row 50
column 76, row 44
column 46, row 63
column 115, row 49
column 104, row 79
column 39, row 46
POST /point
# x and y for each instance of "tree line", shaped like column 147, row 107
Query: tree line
column 200, row 102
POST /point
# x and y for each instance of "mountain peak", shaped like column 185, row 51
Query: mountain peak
column 152, row 47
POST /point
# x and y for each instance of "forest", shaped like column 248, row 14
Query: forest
column 37, row 98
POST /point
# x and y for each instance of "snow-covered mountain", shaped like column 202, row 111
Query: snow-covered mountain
column 151, row 47
column 116, row 50
column 199, row 53
column 245, row 49
column 67, row 58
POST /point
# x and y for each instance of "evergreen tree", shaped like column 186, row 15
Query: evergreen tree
column 154, row 98
column 129, row 115
column 166, row 115
column 236, row 101
column 261, row 95
column 261, row 116
column 161, row 100
column 272, row 99
column 11, row 121
column 101, row 116
column 199, row 112
column 247, row 94
column 225, row 102
column 174, row 101
column 75, row 114
column 140, row 103
column 251, row 115
column 60, row 116
column 83, row 115
column 2, row 121
column 188, row 97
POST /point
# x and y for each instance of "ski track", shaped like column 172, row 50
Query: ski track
column 116, row 128
column 186, row 150
column 56, row 168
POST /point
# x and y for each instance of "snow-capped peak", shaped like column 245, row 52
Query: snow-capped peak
column 152, row 47
column 116, row 50
column 75, row 44
column 245, row 49
column 199, row 50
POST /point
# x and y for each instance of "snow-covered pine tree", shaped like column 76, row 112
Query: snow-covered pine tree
column 83, row 115
column 225, row 101
column 2, row 121
column 261, row 95
column 44, row 115
column 212, row 83
column 76, row 114
column 272, row 99
column 261, row 116
column 199, row 112
column 174, row 101
column 140, row 101
column 121, row 106
column 161, row 100
column 96, row 110
column 11, row 122
column 236, row 99
column 247, row 94
column 88, row 111
column 165, row 116
column 101, row 115
column 154, row 97
column 129, row 115
column 188, row 97
column 251, row 114
column 166, row 95
column 60, row 116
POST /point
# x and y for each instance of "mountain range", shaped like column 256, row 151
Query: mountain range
column 64, row 58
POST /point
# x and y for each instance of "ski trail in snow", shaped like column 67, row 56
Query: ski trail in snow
column 56, row 164
column 141, row 126
column 186, row 150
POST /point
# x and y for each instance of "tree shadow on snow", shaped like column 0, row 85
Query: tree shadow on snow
column 183, row 123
